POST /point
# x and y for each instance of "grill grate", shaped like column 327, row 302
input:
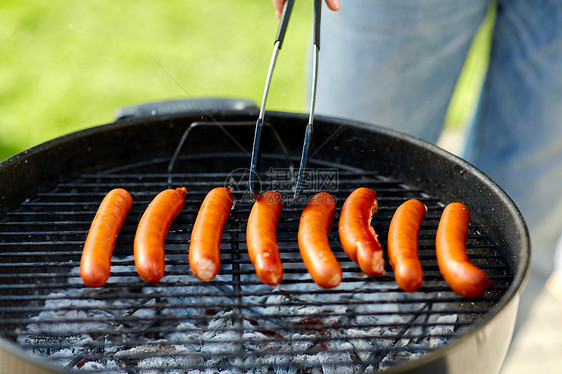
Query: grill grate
column 233, row 323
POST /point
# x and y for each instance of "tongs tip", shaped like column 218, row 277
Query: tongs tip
column 304, row 161
column 255, row 158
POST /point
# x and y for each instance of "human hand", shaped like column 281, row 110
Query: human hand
column 278, row 4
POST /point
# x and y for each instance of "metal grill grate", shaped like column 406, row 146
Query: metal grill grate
column 233, row 323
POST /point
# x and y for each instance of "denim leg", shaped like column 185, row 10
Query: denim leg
column 516, row 137
column 395, row 63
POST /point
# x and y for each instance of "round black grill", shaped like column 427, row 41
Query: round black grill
column 233, row 323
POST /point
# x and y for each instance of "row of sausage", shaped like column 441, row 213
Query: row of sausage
column 357, row 236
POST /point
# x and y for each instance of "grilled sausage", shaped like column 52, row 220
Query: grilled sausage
column 316, row 221
column 152, row 230
column 463, row 277
column 358, row 238
column 98, row 248
column 204, row 247
column 261, row 238
column 403, row 244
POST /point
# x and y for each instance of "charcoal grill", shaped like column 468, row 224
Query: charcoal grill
column 51, row 322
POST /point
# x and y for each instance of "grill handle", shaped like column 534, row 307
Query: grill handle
column 179, row 106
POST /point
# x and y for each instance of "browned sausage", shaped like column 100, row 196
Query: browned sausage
column 463, row 277
column 261, row 238
column 403, row 244
column 358, row 238
column 204, row 247
column 152, row 230
column 95, row 263
column 316, row 221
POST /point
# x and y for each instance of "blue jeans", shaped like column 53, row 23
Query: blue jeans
column 395, row 63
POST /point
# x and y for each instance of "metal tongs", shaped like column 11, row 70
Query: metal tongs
column 288, row 7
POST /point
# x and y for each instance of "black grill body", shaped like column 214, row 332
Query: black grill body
column 50, row 194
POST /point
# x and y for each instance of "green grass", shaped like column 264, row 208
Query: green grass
column 66, row 65
column 464, row 100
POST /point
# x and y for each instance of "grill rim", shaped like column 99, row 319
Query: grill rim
column 58, row 147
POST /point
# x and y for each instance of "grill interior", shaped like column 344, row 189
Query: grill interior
column 233, row 323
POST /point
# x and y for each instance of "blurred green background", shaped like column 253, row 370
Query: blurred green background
column 66, row 65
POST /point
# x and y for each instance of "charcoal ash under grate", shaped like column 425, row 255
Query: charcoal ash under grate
column 287, row 329
column 235, row 323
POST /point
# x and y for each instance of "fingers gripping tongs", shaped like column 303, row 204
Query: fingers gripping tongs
column 259, row 124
